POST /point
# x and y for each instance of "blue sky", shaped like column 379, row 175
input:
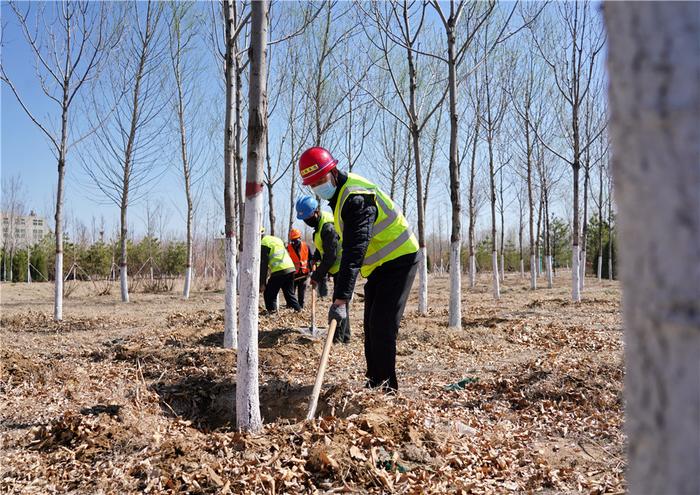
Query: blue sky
column 25, row 151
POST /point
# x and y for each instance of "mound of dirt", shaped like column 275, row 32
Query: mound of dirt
column 18, row 367
column 37, row 322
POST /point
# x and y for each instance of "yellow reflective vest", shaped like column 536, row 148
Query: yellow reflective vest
column 279, row 257
column 318, row 242
column 391, row 236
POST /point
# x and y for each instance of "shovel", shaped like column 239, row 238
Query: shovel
column 313, row 402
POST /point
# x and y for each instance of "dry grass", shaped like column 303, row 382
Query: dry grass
column 140, row 398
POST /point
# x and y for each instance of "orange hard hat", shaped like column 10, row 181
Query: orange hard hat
column 294, row 234
column 314, row 163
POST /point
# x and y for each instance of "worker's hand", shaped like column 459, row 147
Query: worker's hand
column 338, row 311
column 312, row 283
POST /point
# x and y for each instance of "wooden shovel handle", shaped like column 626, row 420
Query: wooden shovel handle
column 313, row 402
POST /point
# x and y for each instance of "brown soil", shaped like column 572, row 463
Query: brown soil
column 140, row 397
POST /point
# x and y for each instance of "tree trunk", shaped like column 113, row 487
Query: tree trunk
column 575, row 255
column 610, row 235
column 530, row 201
column 184, row 157
column 247, row 395
column 600, row 224
column 455, row 315
column 492, row 183
column 584, row 231
column 472, row 198
column 58, row 274
column 238, row 143
column 123, row 277
column 503, row 233
column 655, row 100
column 420, row 208
column 230, row 195
column 420, row 205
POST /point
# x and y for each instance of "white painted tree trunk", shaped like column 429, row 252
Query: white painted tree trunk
column 522, row 268
column 575, row 284
column 247, row 394
column 494, row 268
column 58, row 288
column 230, row 330
column 533, row 273
column 582, row 275
column 550, row 273
column 188, row 279
column 600, row 267
column 610, row 268
column 455, row 284
column 124, row 283
column 423, row 282
column 472, row 271
column 654, row 102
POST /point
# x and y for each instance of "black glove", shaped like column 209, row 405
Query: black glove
column 338, row 313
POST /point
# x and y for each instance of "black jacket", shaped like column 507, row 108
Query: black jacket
column 358, row 214
column 329, row 241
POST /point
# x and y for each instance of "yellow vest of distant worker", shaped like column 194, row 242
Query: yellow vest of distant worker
column 391, row 237
column 318, row 242
column 279, row 257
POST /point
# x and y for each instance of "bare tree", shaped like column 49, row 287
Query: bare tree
column 234, row 22
column 400, row 25
column 247, row 395
column 324, row 98
column 495, row 104
column 125, row 154
column 477, row 15
column 654, row 66
column 69, row 43
column 475, row 97
column 187, row 106
column 12, row 208
column 573, row 70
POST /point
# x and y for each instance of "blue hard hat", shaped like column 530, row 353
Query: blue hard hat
column 306, row 206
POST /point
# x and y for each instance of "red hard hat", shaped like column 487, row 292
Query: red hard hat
column 314, row 163
column 294, row 234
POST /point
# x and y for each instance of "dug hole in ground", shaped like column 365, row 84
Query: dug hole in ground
column 129, row 398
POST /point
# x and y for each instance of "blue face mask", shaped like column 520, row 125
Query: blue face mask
column 325, row 190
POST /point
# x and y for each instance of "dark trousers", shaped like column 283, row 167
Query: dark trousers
column 342, row 332
column 386, row 293
column 323, row 287
column 300, row 288
column 274, row 284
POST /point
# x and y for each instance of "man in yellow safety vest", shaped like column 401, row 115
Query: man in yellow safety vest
column 275, row 259
column 376, row 242
column 327, row 254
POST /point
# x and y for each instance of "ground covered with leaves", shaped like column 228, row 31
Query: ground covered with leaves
column 139, row 398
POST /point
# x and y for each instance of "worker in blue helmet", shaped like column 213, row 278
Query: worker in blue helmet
column 328, row 250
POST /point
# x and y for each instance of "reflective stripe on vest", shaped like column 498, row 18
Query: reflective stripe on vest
column 279, row 257
column 318, row 242
column 391, row 236
column 301, row 262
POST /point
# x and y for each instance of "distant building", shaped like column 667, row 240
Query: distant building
column 27, row 230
